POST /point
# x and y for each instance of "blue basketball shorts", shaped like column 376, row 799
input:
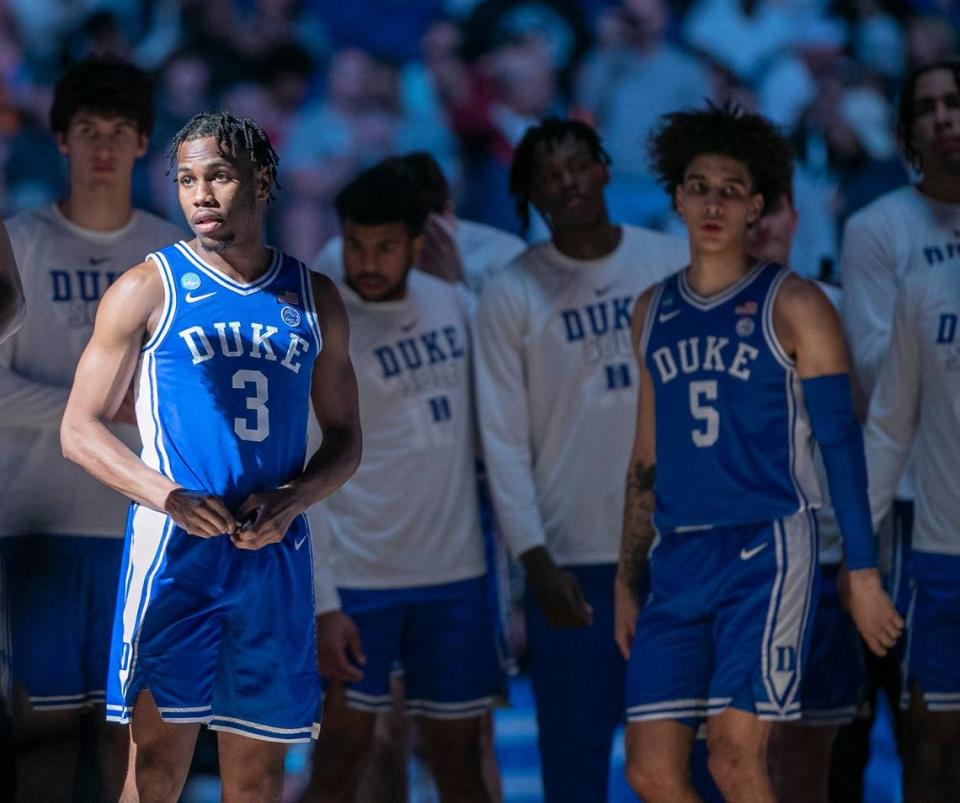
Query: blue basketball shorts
column 443, row 638
column 61, row 592
column 932, row 655
column 217, row 634
column 727, row 622
column 834, row 683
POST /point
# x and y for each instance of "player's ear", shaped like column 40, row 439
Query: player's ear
column 678, row 198
column 756, row 208
column 416, row 248
column 263, row 184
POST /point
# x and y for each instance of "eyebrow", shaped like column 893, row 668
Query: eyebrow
column 206, row 165
column 726, row 179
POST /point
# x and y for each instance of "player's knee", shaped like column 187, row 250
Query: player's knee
column 258, row 781
column 734, row 767
column 653, row 782
column 157, row 777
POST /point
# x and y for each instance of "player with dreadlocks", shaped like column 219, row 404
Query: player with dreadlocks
column 739, row 361
column 556, row 392
column 222, row 336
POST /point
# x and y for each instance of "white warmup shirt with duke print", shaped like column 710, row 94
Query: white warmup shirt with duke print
column 556, row 383
column 66, row 270
column 409, row 515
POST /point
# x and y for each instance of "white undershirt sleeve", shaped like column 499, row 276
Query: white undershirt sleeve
column 504, row 414
column 869, row 293
column 894, row 408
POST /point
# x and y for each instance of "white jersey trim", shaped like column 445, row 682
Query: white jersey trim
column 704, row 303
column 310, row 304
column 222, row 279
column 769, row 331
column 169, row 302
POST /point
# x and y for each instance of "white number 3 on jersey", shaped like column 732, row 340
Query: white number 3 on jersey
column 256, row 403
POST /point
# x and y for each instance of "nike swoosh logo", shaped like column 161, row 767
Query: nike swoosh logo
column 98, row 260
column 746, row 554
column 668, row 316
column 410, row 325
column 602, row 291
column 298, row 544
column 192, row 299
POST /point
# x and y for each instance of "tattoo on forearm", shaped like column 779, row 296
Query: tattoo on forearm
column 637, row 523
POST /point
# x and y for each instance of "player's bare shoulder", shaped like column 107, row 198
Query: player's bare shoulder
column 331, row 312
column 135, row 300
column 803, row 312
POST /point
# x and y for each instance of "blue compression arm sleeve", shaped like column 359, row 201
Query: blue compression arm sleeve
column 840, row 438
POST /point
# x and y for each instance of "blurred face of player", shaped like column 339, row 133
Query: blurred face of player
column 567, row 185
column 223, row 199
column 936, row 120
column 717, row 202
column 771, row 236
column 102, row 150
column 377, row 259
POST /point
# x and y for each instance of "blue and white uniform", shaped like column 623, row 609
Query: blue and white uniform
column 915, row 408
column 219, row 634
column 61, row 531
column 556, row 393
column 734, row 570
column 405, row 547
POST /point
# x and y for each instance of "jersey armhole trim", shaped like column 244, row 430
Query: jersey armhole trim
column 310, row 304
column 648, row 321
column 169, row 302
column 769, row 331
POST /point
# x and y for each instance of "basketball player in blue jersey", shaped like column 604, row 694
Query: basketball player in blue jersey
column 228, row 342
column 12, row 308
column 738, row 362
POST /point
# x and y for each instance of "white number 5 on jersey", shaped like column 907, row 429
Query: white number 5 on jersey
column 701, row 391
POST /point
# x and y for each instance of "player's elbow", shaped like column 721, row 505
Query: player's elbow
column 71, row 437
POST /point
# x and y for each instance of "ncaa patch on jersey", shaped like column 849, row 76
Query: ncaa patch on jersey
column 290, row 316
column 745, row 327
column 189, row 281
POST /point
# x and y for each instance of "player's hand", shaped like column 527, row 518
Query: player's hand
column 440, row 256
column 339, row 651
column 556, row 591
column 871, row 610
column 199, row 513
column 265, row 518
column 626, row 609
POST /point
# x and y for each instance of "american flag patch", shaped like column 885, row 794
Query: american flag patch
column 289, row 297
column 746, row 308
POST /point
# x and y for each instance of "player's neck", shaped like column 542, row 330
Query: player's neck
column 710, row 274
column 942, row 185
column 242, row 261
column 595, row 242
column 102, row 209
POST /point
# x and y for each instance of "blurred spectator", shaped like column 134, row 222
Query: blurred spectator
column 560, row 25
column 931, row 39
column 353, row 127
column 490, row 109
column 632, row 78
column 389, row 30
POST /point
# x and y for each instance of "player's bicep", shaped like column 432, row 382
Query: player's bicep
column 333, row 391
column 107, row 364
column 809, row 329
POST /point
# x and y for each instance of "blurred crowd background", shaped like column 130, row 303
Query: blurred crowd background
column 340, row 84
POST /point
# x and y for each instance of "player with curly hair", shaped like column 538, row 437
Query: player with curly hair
column 740, row 362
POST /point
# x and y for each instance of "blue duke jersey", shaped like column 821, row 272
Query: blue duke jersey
column 223, row 387
column 734, row 444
